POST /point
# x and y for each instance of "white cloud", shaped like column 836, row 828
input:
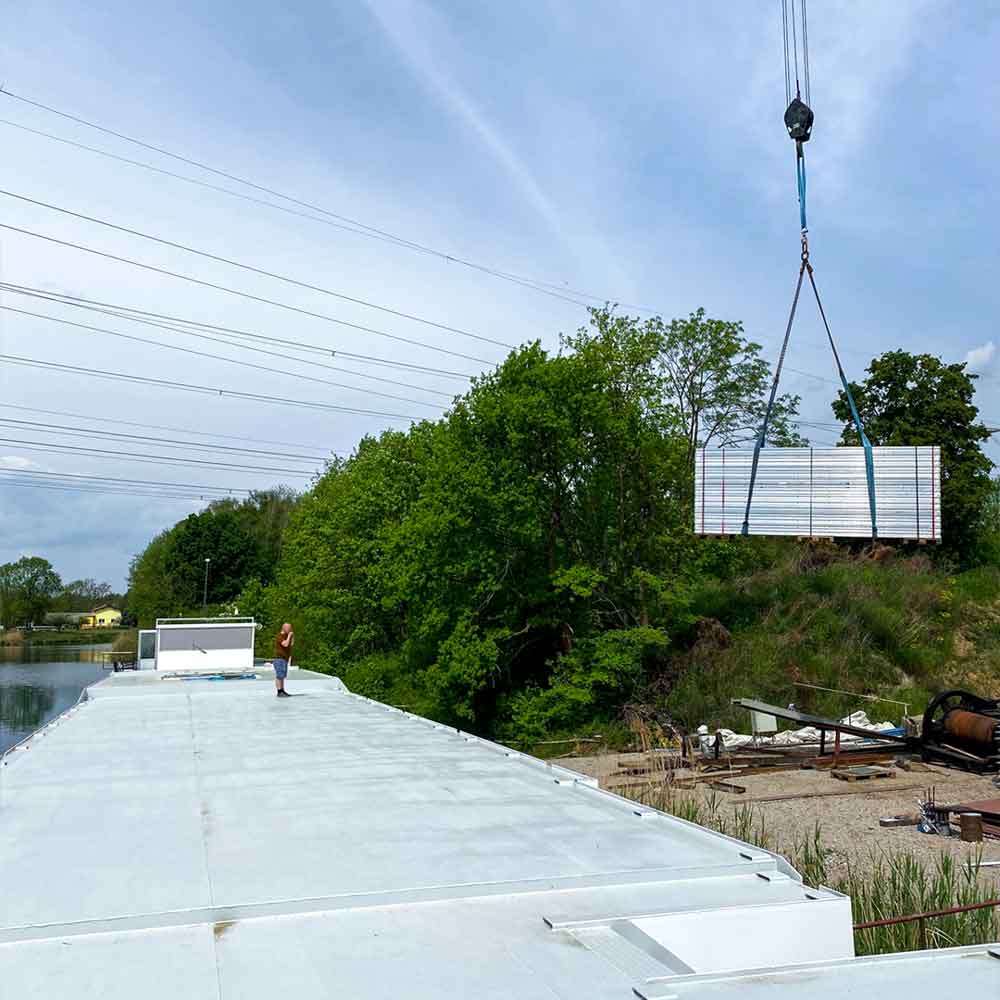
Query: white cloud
column 405, row 25
column 981, row 357
column 15, row 462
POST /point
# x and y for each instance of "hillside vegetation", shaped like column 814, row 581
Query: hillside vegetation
column 881, row 623
column 525, row 566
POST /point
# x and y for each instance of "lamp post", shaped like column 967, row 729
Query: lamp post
column 204, row 593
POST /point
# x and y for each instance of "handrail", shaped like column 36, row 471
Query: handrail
column 924, row 917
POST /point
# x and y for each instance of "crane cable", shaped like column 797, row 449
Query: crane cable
column 799, row 122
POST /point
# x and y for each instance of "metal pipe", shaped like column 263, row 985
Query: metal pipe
column 911, row 917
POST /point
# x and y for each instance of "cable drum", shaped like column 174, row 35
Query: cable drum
column 973, row 728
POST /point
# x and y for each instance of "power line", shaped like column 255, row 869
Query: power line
column 214, row 357
column 206, row 255
column 189, row 387
column 168, row 442
column 59, row 488
column 554, row 289
column 223, row 491
column 357, row 228
column 245, row 295
column 154, row 427
column 171, row 323
column 147, row 458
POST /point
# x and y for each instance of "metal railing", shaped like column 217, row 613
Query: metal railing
column 922, row 918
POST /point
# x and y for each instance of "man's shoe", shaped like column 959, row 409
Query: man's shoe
column 283, row 694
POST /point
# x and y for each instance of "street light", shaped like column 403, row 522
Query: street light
column 204, row 593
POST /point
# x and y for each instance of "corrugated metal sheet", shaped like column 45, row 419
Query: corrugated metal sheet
column 820, row 492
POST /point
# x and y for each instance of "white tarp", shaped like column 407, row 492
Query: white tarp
column 792, row 737
column 819, row 492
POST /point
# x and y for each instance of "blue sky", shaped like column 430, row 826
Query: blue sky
column 633, row 150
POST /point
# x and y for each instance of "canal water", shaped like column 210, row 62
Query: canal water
column 39, row 682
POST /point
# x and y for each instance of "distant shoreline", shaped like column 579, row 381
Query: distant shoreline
column 74, row 637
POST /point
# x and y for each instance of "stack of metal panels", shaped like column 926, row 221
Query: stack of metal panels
column 820, row 492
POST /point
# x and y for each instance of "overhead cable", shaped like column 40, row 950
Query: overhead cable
column 61, row 488
column 77, row 431
column 551, row 288
column 132, row 456
column 154, row 427
column 262, row 272
column 223, row 491
column 215, row 357
column 14, row 359
column 195, row 329
column 244, row 295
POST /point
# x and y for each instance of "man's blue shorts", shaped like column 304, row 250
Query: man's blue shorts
column 280, row 669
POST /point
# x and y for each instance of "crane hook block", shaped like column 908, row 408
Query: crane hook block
column 799, row 120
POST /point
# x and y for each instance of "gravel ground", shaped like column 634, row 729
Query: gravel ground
column 849, row 823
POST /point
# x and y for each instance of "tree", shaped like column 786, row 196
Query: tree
column 27, row 588
column 8, row 605
column 82, row 595
column 242, row 540
column 475, row 565
column 911, row 399
column 717, row 384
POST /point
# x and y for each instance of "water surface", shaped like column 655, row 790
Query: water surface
column 39, row 682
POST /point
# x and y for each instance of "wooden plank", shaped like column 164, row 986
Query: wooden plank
column 855, row 789
column 862, row 773
column 728, row 786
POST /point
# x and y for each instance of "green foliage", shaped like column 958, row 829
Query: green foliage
column 27, row 589
column 525, row 562
column 591, row 682
column 889, row 627
column 717, row 385
column 241, row 539
column 84, row 595
column 912, row 399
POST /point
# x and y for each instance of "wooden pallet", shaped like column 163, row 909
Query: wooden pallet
column 862, row 773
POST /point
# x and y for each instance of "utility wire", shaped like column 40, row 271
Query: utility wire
column 154, row 427
column 60, row 488
column 77, row 431
column 558, row 290
column 133, row 313
column 145, row 457
column 189, row 387
column 357, row 228
column 18, row 484
column 223, row 491
column 262, row 272
column 215, row 357
column 245, row 295
column 177, row 325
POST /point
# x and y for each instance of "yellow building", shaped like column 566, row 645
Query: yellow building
column 103, row 617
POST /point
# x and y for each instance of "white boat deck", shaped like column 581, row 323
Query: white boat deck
column 204, row 839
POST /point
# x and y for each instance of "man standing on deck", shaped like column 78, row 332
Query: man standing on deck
column 282, row 656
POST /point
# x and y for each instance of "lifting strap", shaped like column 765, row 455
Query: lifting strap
column 806, row 268
column 799, row 122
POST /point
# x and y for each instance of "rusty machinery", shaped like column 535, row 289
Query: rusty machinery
column 962, row 729
column 959, row 729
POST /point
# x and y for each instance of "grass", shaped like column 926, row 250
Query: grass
column 899, row 627
column 881, row 885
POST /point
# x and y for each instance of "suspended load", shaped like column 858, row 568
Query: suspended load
column 820, row 493
column 866, row 492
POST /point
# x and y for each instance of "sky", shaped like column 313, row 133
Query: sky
column 632, row 151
